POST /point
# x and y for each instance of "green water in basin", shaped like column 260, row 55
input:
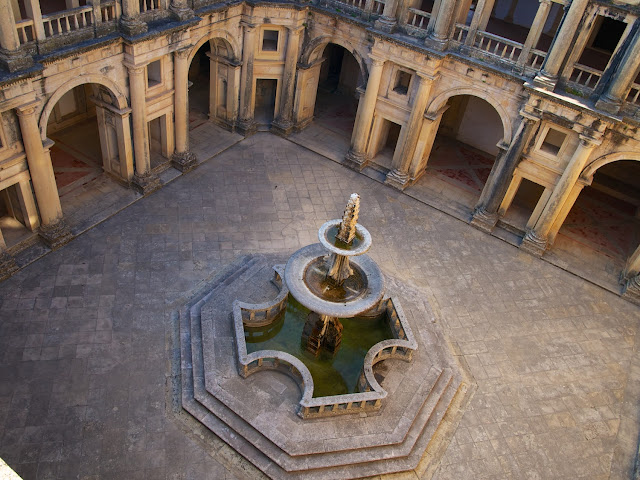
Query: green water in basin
column 332, row 232
column 332, row 375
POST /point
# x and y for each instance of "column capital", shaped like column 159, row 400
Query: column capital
column 183, row 52
column 134, row 69
column 427, row 77
column 247, row 25
column 377, row 61
column 28, row 108
column 589, row 141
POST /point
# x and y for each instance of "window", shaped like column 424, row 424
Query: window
column 403, row 79
column 154, row 73
column 553, row 141
column 270, row 41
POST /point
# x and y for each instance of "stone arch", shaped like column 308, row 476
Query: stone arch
column 117, row 97
column 315, row 48
column 507, row 124
column 589, row 170
column 231, row 41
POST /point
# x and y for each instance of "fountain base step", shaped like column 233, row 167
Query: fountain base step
column 255, row 415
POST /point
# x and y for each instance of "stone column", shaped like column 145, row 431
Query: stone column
column 7, row 264
column 632, row 268
column 307, row 77
column 614, row 95
column 480, row 20
column 428, row 132
column 10, row 55
column 388, row 21
column 442, row 28
column 283, row 124
column 356, row 157
column 143, row 180
column 182, row 159
column 536, row 239
column 562, row 44
column 246, row 124
column 535, row 31
column 32, row 9
column 53, row 229
column 485, row 215
column 398, row 177
column 130, row 22
column 180, row 10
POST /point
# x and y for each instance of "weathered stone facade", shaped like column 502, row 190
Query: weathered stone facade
column 126, row 63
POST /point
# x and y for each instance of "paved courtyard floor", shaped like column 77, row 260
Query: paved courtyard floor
column 84, row 331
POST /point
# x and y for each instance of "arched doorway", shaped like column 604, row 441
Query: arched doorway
column 603, row 225
column 337, row 99
column 214, row 78
column 464, row 150
column 87, row 126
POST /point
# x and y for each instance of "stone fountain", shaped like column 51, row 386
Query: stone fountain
column 333, row 279
column 332, row 309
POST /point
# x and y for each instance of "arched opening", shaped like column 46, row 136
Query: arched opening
column 199, row 80
column 337, row 100
column 464, row 150
column 214, row 82
column 87, row 129
column 603, row 226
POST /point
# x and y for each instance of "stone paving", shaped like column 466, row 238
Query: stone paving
column 84, row 331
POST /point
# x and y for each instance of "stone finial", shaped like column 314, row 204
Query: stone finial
column 349, row 219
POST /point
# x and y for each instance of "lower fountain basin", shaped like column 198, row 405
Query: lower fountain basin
column 353, row 303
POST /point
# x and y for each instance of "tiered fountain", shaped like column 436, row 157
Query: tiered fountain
column 332, row 280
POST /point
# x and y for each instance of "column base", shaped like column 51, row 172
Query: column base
column 397, row 180
column 132, row 27
column 355, row 160
column 533, row 244
column 247, row 127
column 386, row 24
column 282, row 127
column 631, row 289
column 55, row 235
column 544, row 81
column 181, row 13
column 484, row 220
column 7, row 266
column 145, row 184
column 15, row 60
column 436, row 43
column 184, row 161
column 609, row 105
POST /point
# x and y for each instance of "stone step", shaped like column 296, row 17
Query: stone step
column 312, row 460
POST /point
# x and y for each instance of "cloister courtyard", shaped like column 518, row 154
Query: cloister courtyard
column 85, row 331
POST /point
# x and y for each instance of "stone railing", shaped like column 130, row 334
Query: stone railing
column 417, row 22
column 109, row 11
column 586, row 78
column 496, row 46
column 25, row 31
column 150, row 5
column 68, row 21
column 366, row 9
column 460, row 33
column 634, row 94
column 370, row 392
column 536, row 59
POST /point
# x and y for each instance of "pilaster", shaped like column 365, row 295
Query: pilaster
column 283, row 124
column 130, row 23
column 536, row 239
column 143, row 180
column 388, row 21
column 485, row 215
column 356, row 157
column 246, row 123
column 182, row 158
column 399, row 176
column 52, row 229
column 439, row 37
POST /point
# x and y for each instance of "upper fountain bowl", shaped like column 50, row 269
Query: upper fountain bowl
column 359, row 245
